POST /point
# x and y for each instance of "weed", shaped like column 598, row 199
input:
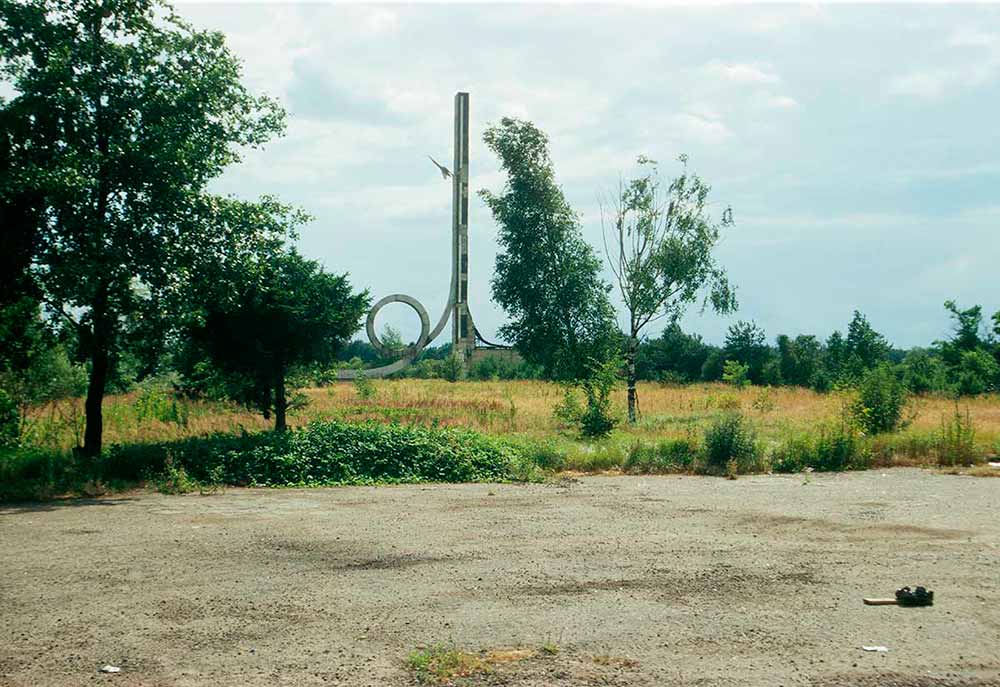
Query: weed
column 667, row 456
column 365, row 388
column 439, row 664
column 730, row 438
column 174, row 479
column 956, row 443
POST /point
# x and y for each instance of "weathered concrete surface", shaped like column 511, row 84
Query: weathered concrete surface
column 667, row 581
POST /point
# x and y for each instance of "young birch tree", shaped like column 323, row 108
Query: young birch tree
column 659, row 242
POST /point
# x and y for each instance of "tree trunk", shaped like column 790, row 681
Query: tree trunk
column 99, row 367
column 633, row 395
column 280, row 402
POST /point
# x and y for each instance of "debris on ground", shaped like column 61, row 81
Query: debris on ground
column 877, row 649
column 111, row 669
column 918, row 596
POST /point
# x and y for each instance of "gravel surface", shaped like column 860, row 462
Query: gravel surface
column 628, row 580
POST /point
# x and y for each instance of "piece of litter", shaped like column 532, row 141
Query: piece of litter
column 111, row 669
column 879, row 649
column 994, row 465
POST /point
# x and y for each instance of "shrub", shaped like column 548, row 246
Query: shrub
column 977, row 373
column 730, row 438
column 451, row 368
column 881, row 399
column 597, row 419
column 568, row 411
column 330, row 452
column 924, row 372
column 10, row 420
column 365, row 388
column 670, row 455
column 956, row 443
column 836, row 447
column 735, row 373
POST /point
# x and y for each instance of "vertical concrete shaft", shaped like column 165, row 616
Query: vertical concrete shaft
column 463, row 331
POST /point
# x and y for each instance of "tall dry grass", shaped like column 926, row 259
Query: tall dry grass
column 514, row 408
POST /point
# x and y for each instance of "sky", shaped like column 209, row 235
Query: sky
column 858, row 146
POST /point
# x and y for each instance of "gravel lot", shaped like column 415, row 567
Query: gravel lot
column 636, row 580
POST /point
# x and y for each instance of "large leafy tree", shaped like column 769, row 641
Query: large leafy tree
column 660, row 242
column 547, row 276
column 264, row 321
column 121, row 115
column 746, row 343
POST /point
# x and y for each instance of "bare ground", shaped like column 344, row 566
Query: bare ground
column 636, row 581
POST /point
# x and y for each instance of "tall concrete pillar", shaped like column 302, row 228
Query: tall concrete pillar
column 463, row 331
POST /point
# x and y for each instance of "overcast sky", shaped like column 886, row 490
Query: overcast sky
column 859, row 146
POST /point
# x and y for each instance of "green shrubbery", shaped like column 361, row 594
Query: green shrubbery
column 323, row 453
column 835, row 447
column 881, row 400
column 731, row 446
column 669, row 455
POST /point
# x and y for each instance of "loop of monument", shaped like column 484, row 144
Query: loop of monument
column 464, row 332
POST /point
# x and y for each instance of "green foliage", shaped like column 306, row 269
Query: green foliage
column 328, row 453
column 659, row 242
column 496, row 367
column 799, row 359
column 569, row 410
column 451, row 368
column 547, row 277
column 174, row 479
column 597, row 418
column 440, row 665
column 730, row 437
column 365, row 388
column 714, row 366
column 977, row 372
column 924, row 372
column 736, row 374
column 664, row 457
column 277, row 315
column 674, row 356
column 837, row 446
column 10, row 420
column 745, row 344
column 880, row 402
column 120, row 117
column 956, row 442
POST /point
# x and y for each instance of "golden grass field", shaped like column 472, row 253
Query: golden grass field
column 516, row 408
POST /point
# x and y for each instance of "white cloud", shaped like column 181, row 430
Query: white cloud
column 783, row 102
column 701, row 129
column 741, row 72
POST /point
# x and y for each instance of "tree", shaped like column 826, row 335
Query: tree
column 867, row 346
column 122, row 114
column 798, row 359
column 265, row 322
column 659, row 242
column 547, row 277
column 674, row 356
column 745, row 343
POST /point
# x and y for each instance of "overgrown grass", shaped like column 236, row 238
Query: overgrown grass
column 793, row 428
column 322, row 453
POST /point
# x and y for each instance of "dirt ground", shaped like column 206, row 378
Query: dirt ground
column 625, row 580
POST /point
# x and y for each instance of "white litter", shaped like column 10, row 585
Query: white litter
column 879, row 649
column 111, row 669
column 994, row 465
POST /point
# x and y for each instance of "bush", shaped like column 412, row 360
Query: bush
column 956, row 443
column 736, row 373
column 597, row 419
column 365, row 388
column 329, row 453
column 10, row 420
column 670, row 455
column 730, row 439
column 836, row 447
column 881, row 399
column 569, row 410
column 977, row 373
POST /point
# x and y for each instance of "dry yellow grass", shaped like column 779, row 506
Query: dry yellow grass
column 509, row 408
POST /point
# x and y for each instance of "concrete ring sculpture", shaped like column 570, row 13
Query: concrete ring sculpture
column 425, row 323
